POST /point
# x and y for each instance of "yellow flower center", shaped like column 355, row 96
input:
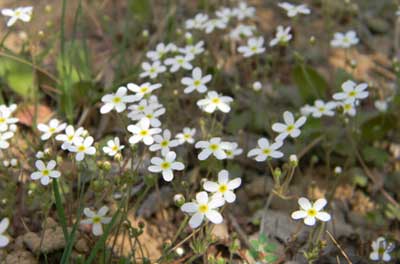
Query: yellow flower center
column 352, row 93
column 197, row 82
column 81, row 148
column 2, row 120
column 152, row 70
column 149, row 116
column 165, row 165
column 203, row 208
column 213, row 147
column 45, row 172
column 223, row 188
column 141, row 108
column 180, row 61
column 229, row 152
column 381, row 250
column 144, row 132
column 186, row 136
column 164, row 143
column 290, row 128
column 266, row 151
column 115, row 148
column 96, row 219
column 215, row 100
column 144, row 89
column 253, row 48
column 70, row 138
column 311, row 212
column 52, row 130
column 321, row 109
column 347, row 107
column 117, row 100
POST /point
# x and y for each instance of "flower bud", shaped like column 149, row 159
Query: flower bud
column 257, row 86
column 179, row 199
column 293, row 160
column 338, row 170
column 312, row 40
column 14, row 162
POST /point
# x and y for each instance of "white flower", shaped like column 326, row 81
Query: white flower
column 257, row 86
column 197, row 22
column 193, row 50
column 242, row 31
column 197, row 82
column 214, row 146
column 243, row 11
column 265, row 150
column 4, row 137
column 290, row 127
column 152, row 113
column 21, row 13
column 282, row 36
column 254, row 46
column 225, row 13
column 142, row 132
column 306, row 110
column 348, row 108
column 233, row 150
column 344, row 40
column 381, row 250
column 45, row 172
column 293, row 10
column 166, row 165
column 52, row 128
column 164, row 143
column 338, row 170
column 186, row 135
column 96, row 219
column 180, row 61
column 311, row 212
column 381, row 105
column 224, row 187
column 5, row 117
column 321, row 108
column 143, row 89
column 214, row 101
column 70, row 136
column 113, row 147
column 212, row 24
column 82, row 147
column 4, row 240
column 116, row 101
column 352, row 92
column 161, row 51
column 152, row 70
column 203, row 206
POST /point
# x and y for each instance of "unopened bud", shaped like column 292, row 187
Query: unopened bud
column 338, row 170
column 293, row 160
column 179, row 199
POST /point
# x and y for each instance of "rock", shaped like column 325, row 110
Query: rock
column 279, row 225
column 50, row 223
column 220, row 232
column 53, row 240
column 258, row 186
column 81, row 246
column 20, row 257
column 377, row 25
column 18, row 243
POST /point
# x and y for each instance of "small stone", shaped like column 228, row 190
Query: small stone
column 81, row 246
column 53, row 240
column 220, row 231
column 21, row 257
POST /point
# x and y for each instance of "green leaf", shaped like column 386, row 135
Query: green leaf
column 311, row 84
column 377, row 127
column 375, row 155
column 18, row 76
column 141, row 10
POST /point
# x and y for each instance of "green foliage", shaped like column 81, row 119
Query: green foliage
column 18, row 76
column 264, row 250
column 141, row 10
column 377, row 127
column 375, row 155
column 310, row 83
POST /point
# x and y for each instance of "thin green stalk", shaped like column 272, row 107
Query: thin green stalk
column 60, row 209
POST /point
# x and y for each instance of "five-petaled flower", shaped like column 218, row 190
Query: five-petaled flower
column 266, row 150
column 224, row 187
column 310, row 212
column 203, row 207
column 214, row 101
column 96, row 219
column 290, row 127
column 45, row 172
column 166, row 165
column 214, row 146
column 143, row 132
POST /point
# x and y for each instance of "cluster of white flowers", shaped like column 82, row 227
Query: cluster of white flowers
column 346, row 100
column 77, row 141
column 8, row 125
column 205, row 206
